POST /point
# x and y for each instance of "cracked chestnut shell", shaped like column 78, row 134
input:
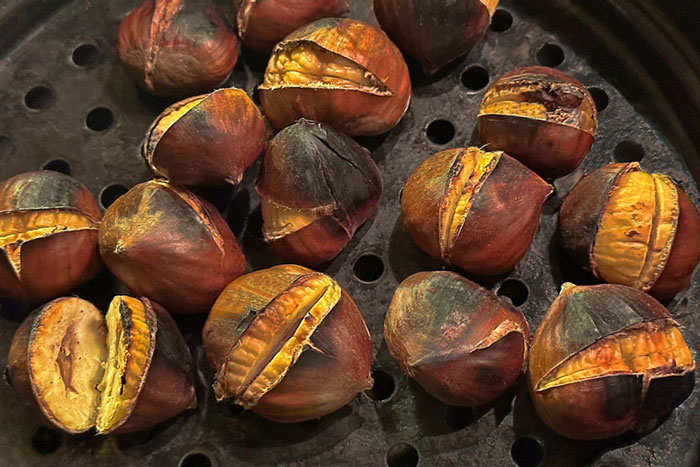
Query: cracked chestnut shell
column 544, row 118
column 263, row 23
column 463, row 345
column 176, row 48
column 78, row 369
column 48, row 235
column 288, row 343
column 341, row 72
column 206, row 140
column 169, row 245
column 606, row 360
column 435, row 32
column 630, row 227
column 317, row 187
column 475, row 210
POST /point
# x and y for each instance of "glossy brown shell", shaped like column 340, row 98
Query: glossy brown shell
column 167, row 244
column 53, row 264
column 354, row 112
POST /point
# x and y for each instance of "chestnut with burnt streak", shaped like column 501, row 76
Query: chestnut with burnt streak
column 167, row 244
column 206, row 140
column 544, row 118
column 176, row 48
column 122, row 372
column 317, row 187
column 48, row 235
column 475, row 210
column 287, row 343
column 630, row 227
column 435, row 32
column 338, row 71
column 263, row 23
column 606, row 360
column 463, row 345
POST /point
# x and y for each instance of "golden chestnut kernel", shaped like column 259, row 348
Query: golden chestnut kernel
column 206, row 140
column 435, row 32
column 263, row 23
column 633, row 228
column 540, row 116
column 341, row 72
column 167, row 244
column 288, row 343
column 317, row 187
column 462, row 206
column 606, row 360
column 176, row 48
column 121, row 372
column 48, row 235
column 463, row 345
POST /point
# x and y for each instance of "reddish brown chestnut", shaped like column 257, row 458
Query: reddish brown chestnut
column 317, row 187
column 206, row 140
column 475, row 210
column 544, row 118
column 48, row 235
column 119, row 373
column 633, row 228
column 176, row 48
column 167, row 244
column 342, row 72
column 607, row 359
column 435, row 32
column 288, row 343
column 263, row 23
column 463, row 345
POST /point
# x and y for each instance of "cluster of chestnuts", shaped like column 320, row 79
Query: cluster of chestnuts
column 288, row 342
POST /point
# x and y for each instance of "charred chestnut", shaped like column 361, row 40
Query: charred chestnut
column 455, row 338
column 475, row 210
column 607, row 359
column 167, row 244
column 121, row 372
column 342, row 72
column 633, row 228
column 48, row 235
column 263, row 23
column 176, row 48
column 288, row 343
column 435, row 32
column 317, row 187
column 541, row 116
column 206, row 140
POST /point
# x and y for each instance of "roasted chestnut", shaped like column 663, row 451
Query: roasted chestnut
column 342, row 72
column 176, row 48
column 118, row 373
column 435, row 32
column 206, row 140
column 288, row 343
column 606, row 360
column 633, row 228
column 463, row 345
column 167, row 244
column 317, row 187
column 544, row 118
column 263, row 23
column 475, row 210
column 48, row 235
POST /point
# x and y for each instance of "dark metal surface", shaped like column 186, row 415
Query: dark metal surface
column 42, row 44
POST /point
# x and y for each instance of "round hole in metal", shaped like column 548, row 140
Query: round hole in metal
column 110, row 193
column 527, row 452
column 99, row 119
column 550, row 55
column 628, row 151
column 402, row 455
column 57, row 165
column 502, row 21
column 86, row 55
column 515, row 290
column 440, row 131
column 46, row 441
column 383, row 387
column 475, row 77
column 39, row 97
column 196, row 459
column 368, row 268
column 458, row 417
column 600, row 97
